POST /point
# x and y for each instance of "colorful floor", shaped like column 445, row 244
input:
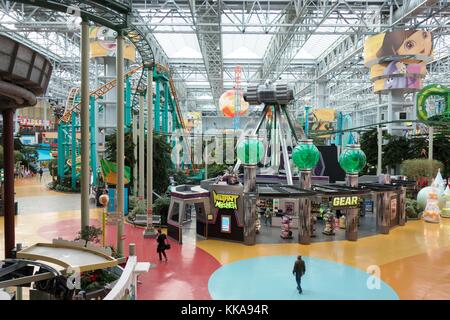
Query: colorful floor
column 412, row 262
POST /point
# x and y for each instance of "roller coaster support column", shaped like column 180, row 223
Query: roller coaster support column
column 150, row 232
column 165, row 113
column 73, row 168
column 135, row 151
column 93, row 129
column 157, row 104
column 127, row 103
column 8, row 160
column 61, row 155
column 84, row 123
column 175, row 126
column 307, row 120
column 141, row 172
column 120, row 142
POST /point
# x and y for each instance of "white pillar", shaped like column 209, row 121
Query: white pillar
column 84, row 121
column 141, row 173
column 150, row 230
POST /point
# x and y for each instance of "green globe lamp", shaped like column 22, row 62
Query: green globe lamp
column 352, row 160
column 305, row 157
column 250, row 151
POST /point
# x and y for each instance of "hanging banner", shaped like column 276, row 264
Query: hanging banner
column 397, row 59
column 103, row 44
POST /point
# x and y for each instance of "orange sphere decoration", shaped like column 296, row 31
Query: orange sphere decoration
column 103, row 199
column 227, row 103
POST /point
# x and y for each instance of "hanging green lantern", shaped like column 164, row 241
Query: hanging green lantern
column 306, row 155
column 352, row 159
column 250, row 150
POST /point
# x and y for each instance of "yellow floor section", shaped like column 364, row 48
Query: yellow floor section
column 414, row 238
column 414, row 259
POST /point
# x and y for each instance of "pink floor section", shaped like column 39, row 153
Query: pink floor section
column 184, row 276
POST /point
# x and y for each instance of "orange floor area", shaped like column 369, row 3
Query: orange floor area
column 414, row 260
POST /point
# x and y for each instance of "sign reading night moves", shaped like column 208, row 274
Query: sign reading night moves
column 225, row 201
column 345, row 202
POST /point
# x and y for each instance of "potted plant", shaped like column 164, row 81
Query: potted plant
column 412, row 209
column 89, row 234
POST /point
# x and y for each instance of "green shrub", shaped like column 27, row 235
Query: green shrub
column 215, row 170
column 52, row 185
column 415, row 168
column 89, row 234
column 139, row 208
column 412, row 209
column 132, row 202
column 179, row 176
column 161, row 207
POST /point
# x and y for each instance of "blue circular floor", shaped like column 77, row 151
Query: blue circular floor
column 270, row 278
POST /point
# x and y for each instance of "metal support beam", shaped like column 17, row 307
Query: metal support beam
column 120, row 142
column 135, row 154
column 210, row 41
column 8, row 191
column 141, row 173
column 84, row 124
column 157, row 116
column 73, row 148
column 165, row 111
column 150, row 230
column 93, row 130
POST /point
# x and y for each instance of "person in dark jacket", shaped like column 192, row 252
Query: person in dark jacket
column 162, row 242
column 40, row 174
column 298, row 271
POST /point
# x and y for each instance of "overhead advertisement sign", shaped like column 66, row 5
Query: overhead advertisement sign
column 397, row 59
column 103, row 44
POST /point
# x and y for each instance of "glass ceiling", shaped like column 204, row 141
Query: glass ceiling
column 238, row 46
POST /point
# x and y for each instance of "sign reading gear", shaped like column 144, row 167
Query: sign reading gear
column 345, row 202
column 225, row 201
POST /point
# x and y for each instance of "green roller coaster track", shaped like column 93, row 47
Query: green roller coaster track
column 442, row 124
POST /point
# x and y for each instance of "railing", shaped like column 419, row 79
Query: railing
column 126, row 286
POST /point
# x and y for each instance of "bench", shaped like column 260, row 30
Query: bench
column 141, row 219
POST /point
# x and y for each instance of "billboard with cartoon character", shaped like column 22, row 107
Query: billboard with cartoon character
column 103, row 44
column 397, row 60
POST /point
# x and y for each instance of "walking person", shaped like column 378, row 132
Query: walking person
column 162, row 245
column 298, row 271
column 40, row 174
column 268, row 217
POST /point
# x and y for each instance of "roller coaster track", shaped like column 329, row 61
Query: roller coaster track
column 430, row 123
column 97, row 93
column 105, row 88
column 114, row 14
